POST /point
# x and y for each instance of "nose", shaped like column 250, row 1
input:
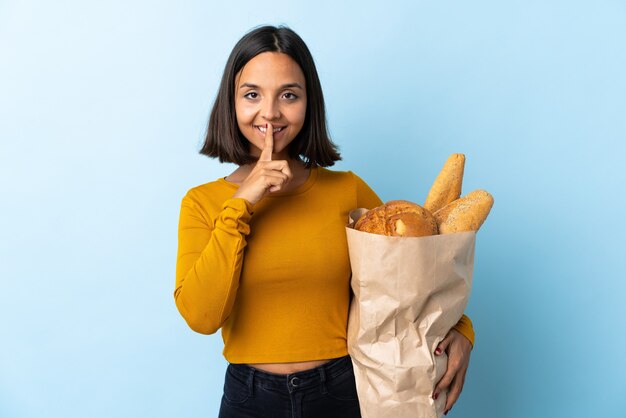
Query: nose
column 270, row 110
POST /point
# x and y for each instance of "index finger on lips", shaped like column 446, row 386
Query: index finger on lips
column 268, row 148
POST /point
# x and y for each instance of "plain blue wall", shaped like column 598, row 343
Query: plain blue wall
column 102, row 110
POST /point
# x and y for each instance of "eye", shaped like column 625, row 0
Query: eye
column 252, row 95
column 290, row 96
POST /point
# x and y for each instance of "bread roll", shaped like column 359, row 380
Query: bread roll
column 465, row 214
column 398, row 218
column 372, row 221
column 447, row 186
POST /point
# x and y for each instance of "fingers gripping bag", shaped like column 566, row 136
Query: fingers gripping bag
column 408, row 293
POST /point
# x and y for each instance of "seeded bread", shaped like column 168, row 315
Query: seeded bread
column 465, row 214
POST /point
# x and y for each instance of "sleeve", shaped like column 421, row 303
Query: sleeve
column 465, row 327
column 365, row 196
column 208, row 265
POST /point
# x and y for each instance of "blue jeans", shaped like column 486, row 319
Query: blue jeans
column 327, row 391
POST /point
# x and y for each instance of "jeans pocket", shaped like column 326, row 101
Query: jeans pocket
column 343, row 386
column 236, row 389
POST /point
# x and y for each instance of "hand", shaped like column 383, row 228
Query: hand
column 267, row 176
column 458, row 348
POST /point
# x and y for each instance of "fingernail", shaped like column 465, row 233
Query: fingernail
column 438, row 350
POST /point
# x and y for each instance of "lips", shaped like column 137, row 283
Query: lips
column 263, row 129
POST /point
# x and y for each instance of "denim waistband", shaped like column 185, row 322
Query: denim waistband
column 293, row 381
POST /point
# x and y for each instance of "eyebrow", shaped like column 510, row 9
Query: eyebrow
column 284, row 86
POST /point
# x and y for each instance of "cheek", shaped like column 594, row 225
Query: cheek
column 299, row 115
column 244, row 115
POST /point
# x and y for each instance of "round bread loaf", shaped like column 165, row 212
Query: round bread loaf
column 398, row 218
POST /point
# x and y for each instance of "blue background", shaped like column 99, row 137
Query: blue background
column 103, row 107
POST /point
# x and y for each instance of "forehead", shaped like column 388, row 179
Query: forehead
column 271, row 69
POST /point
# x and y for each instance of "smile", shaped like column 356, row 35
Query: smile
column 264, row 129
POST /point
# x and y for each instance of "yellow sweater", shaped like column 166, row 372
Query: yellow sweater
column 275, row 277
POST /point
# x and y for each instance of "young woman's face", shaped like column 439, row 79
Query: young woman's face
column 270, row 88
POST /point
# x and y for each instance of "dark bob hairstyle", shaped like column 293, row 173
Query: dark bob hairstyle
column 225, row 141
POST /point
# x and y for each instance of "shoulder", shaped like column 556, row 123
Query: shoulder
column 347, row 179
column 336, row 176
column 209, row 197
column 347, row 185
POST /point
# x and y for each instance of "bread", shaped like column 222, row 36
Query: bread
column 398, row 218
column 443, row 212
column 465, row 214
column 447, row 186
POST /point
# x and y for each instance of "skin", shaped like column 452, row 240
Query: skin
column 270, row 90
column 458, row 348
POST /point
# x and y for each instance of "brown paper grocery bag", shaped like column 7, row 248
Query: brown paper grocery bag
column 408, row 293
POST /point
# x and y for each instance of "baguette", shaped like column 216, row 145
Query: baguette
column 465, row 214
column 447, row 186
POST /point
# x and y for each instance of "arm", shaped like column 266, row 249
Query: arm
column 210, row 252
column 208, row 266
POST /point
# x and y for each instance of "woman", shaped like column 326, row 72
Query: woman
column 262, row 252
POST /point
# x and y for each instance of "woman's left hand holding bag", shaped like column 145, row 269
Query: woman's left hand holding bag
column 458, row 349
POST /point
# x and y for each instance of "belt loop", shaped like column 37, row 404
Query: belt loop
column 251, row 382
column 323, row 379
